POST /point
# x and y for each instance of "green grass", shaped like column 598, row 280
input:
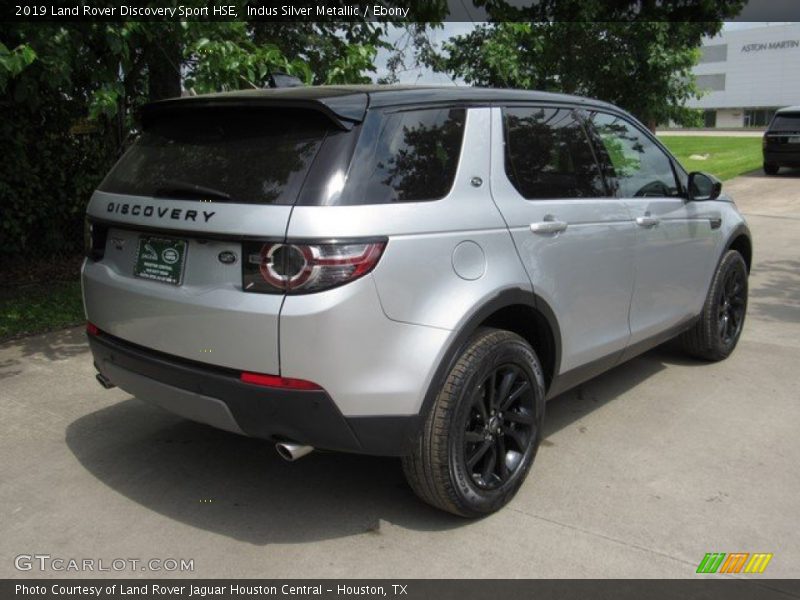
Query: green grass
column 727, row 156
column 36, row 308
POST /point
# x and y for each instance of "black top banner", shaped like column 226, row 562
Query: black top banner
column 411, row 11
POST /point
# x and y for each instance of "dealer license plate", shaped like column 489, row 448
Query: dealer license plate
column 160, row 259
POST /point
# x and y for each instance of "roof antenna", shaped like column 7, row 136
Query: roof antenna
column 284, row 80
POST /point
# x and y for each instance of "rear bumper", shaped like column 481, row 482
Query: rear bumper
column 216, row 396
column 783, row 158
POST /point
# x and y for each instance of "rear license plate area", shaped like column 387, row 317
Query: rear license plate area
column 160, row 259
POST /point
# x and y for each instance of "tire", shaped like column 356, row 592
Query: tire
column 717, row 332
column 443, row 469
column 771, row 168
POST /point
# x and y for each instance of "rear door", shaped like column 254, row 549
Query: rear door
column 177, row 221
column 575, row 240
column 674, row 237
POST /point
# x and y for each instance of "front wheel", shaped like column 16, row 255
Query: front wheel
column 481, row 436
column 771, row 168
column 717, row 332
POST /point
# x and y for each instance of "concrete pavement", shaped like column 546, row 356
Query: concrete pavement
column 644, row 469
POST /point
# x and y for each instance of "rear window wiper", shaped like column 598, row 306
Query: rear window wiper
column 189, row 191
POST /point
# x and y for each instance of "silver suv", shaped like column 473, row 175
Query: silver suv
column 403, row 272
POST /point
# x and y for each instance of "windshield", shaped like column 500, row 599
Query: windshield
column 786, row 122
column 243, row 156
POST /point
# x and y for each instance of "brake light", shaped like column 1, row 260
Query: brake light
column 94, row 237
column 284, row 268
column 92, row 329
column 278, row 382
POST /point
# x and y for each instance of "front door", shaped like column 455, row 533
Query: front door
column 674, row 237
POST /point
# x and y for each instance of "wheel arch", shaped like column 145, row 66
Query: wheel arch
column 741, row 241
column 516, row 310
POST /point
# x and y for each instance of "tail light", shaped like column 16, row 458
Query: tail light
column 285, row 268
column 94, row 237
column 92, row 329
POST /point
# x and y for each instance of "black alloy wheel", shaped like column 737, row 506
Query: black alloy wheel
column 482, row 433
column 500, row 426
column 719, row 326
column 732, row 303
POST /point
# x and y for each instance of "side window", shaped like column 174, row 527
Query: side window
column 547, row 154
column 641, row 168
column 405, row 156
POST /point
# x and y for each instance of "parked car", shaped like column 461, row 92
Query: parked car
column 781, row 141
column 401, row 271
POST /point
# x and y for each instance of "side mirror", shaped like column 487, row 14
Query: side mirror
column 703, row 186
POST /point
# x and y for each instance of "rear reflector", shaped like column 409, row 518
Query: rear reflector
column 91, row 329
column 278, row 382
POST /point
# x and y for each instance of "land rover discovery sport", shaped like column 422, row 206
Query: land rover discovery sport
column 403, row 272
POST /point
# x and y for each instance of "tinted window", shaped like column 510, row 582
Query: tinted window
column 248, row 156
column 405, row 156
column 786, row 122
column 547, row 154
column 641, row 168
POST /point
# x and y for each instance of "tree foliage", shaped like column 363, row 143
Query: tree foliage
column 69, row 94
column 636, row 54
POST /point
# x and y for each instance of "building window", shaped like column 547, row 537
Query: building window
column 758, row 117
column 712, row 83
column 709, row 118
column 716, row 53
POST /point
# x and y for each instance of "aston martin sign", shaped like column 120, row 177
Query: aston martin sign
column 758, row 47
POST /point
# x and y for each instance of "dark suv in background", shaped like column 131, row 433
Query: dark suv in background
column 781, row 142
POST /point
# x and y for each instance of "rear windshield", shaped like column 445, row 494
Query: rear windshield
column 786, row 122
column 243, row 156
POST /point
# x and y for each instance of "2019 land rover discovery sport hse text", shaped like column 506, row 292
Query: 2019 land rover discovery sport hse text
column 401, row 271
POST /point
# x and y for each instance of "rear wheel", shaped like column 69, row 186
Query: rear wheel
column 481, row 436
column 717, row 332
column 771, row 168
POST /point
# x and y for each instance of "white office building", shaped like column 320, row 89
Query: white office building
column 747, row 74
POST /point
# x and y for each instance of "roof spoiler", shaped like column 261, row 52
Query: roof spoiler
column 345, row 111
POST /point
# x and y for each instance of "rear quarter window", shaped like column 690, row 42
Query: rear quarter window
column 405, row 156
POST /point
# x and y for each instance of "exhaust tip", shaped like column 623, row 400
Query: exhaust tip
column 292, row 452
column 104, row 381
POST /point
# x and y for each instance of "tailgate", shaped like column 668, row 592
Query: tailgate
column 170, row 221
column 207, row 318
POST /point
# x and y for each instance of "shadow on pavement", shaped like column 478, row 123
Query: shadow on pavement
column 56, row 345
column 785, row 172
column 777, row 295
column 238, row 487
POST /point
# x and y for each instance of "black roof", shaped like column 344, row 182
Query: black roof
column 347, row 104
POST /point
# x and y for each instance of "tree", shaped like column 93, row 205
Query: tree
column 591, row 48
column 69, row 94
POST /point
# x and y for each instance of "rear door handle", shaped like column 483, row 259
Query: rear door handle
column 548, row 226
column 647, row 221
